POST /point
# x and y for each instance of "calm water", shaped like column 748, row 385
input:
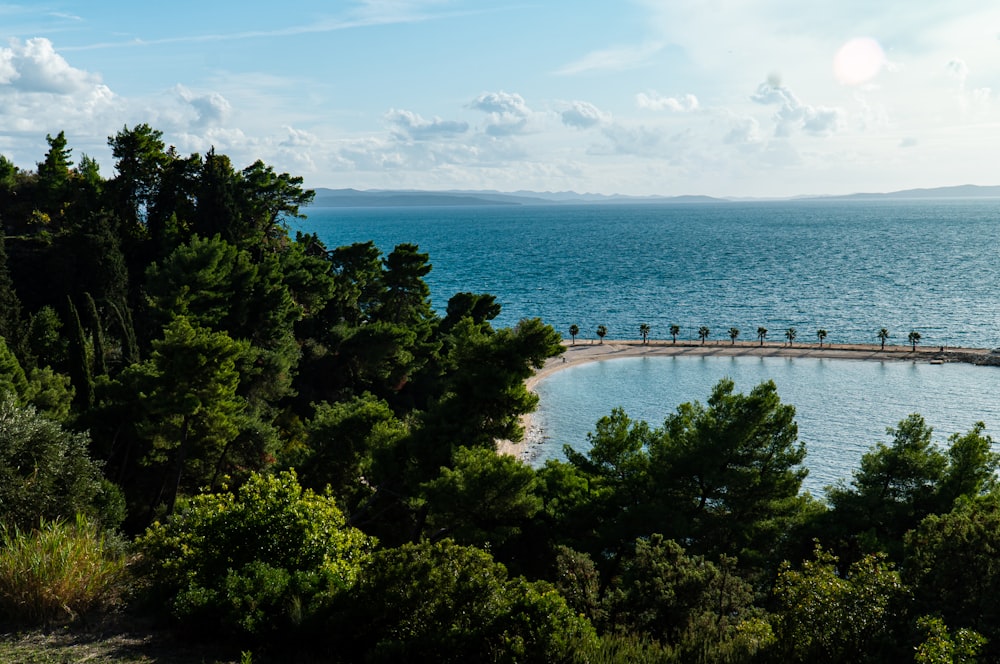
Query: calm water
column 848, row 267
column 842, row 406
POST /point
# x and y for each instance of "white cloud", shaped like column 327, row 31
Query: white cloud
column 583, row 115
column 507, row 114
column 411, row 125
column 297, row 138
column 793, row 114
column 34, row 66
column 640, row 141
column 744, row 130
column 655, row 102
column 211, row 110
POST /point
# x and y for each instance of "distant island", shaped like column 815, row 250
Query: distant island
column 376, row 198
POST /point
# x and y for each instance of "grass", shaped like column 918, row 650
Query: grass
column 56, row 572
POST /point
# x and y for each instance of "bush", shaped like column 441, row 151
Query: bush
column 59, row 570
column 46, row 472
column 261, row 559
column 443, row 602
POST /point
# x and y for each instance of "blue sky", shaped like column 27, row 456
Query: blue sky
column 719, row 97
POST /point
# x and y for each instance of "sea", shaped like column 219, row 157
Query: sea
column 849, row 267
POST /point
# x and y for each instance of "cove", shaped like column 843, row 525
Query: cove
column 843, row 406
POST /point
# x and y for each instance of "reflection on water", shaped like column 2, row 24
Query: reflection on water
column 843, row 407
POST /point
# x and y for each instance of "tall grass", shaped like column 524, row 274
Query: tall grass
column 56, row 572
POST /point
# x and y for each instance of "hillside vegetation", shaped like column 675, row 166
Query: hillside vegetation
column 283, row 450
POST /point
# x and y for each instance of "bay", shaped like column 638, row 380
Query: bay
column 843, row 407
column 849, row 267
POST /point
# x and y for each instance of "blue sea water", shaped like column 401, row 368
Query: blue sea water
column 849, row 267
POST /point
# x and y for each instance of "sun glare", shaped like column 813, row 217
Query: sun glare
column 858, row 61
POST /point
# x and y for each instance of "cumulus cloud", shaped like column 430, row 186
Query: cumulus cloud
column 507, row 114
column 406, row 124
column 211, row 110
column 297, row 138
column 34, row 66
column 742, row 131
column 639, row 141
column 655, row 102
column 583, row 115
column 793, row 114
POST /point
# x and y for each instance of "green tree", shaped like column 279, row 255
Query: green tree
column 882, row 335
column 952, row 567
column 674, row 331
column 896, row 486
column 972, row 467
column 821, row 335
column 483, row 395
column 602, row 331
column 54, row 175
column 253, row 561
column 914, row 338
column 46, row 472
column 685, row 601
column 139, row 161
column 446, row 603
column 826, row 616
column 942, row 647
column 790, row 334
column 761, row 334
column 346, row 442
column 483, row 500
column 79, row 361
column 190, row 412
column 733, row 333
column 644, row 331
column 703, row 333
column 12, row 324
column 730, row 471
column 573, row 331
column 268, row 200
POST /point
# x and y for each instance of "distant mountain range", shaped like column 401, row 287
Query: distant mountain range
column 416, row 198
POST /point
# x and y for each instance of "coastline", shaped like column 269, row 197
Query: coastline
column 585, row 351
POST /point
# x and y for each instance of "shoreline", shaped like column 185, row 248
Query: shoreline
column 584, row 352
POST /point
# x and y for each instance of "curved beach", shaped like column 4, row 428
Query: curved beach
column 586, row 351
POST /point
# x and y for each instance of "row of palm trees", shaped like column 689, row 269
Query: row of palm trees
column 703, row 333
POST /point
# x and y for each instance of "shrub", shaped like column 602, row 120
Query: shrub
column 262, row 558
column 46, row 472
column 443, row 602
column 59, row 570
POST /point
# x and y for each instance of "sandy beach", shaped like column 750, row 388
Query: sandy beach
column 586, row 351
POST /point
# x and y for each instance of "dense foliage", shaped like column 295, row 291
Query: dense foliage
column 304, row 450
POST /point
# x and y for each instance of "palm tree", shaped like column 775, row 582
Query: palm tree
column 882, row 335
column 733, row 333
column 703, row 333
column 914, row 338
column 761, row 333
column 644, row 331
column 573, row 331
column 790, row 334
column 821, row 334
column 601, row 332
column 674, row 331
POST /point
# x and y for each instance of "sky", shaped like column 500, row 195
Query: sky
column 743, row 98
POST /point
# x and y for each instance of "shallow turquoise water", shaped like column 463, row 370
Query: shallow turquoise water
column 842, row 406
